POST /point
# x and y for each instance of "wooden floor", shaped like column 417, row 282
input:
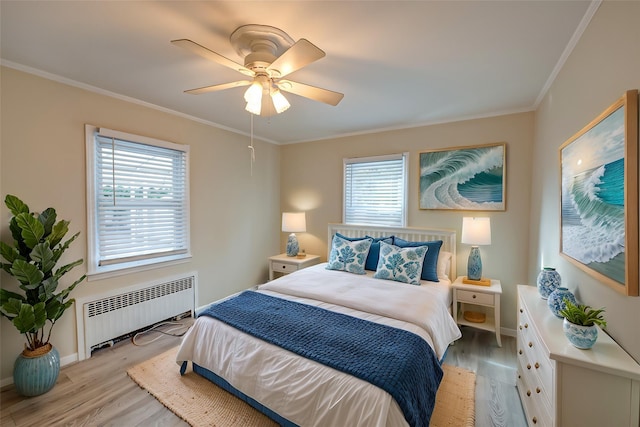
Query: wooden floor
column 497, row 400
column 98, row 392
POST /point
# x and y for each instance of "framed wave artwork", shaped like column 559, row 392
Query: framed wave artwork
column 464, row 178
column 599, row 196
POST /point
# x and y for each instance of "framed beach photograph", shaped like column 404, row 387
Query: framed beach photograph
column 464, row 178
column 599, row 196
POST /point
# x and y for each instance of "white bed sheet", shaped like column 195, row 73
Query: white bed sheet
column 307, row 392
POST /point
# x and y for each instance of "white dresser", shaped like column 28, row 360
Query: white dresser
column 562, row 386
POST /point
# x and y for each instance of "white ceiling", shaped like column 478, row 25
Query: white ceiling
column 399, row 63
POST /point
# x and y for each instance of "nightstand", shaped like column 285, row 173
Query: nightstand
column 284, row 264
column 484, row 299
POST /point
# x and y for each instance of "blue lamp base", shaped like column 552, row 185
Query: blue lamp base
column 292, row 245
column 474, row 264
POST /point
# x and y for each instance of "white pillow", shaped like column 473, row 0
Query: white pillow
column 444, row 264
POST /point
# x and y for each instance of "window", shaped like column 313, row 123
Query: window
column 138, row 200
column 375, row 190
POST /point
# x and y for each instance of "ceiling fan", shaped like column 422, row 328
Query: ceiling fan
column 269, row 55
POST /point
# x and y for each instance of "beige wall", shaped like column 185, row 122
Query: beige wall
column 604, row 64
column 311, row 180
column 234, row 216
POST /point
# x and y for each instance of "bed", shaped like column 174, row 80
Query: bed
column 304, row 370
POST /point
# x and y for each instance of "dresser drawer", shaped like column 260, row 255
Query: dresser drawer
column 475, row 297
column 281, row 267
column 537, row 410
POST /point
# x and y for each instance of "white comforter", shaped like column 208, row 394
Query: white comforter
column 306, row 392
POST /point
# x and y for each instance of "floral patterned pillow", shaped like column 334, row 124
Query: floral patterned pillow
column 347, row 255
column 400, row 264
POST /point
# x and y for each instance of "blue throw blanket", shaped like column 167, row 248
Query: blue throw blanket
column 399, row 362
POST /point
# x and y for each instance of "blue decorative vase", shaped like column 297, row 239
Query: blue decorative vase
column 292, row 245
column 36, row 375
column 474, row 264
column 582, row 337
column 556, row 300
column 548, row 281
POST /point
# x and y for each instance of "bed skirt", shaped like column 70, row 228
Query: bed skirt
column 222, row 383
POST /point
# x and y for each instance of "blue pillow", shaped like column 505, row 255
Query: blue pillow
column 347, row 255
column 401, row 264
column 374, row 250
column 430, row 266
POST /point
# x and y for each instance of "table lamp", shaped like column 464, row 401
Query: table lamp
column 293, row 222
column 475, row 232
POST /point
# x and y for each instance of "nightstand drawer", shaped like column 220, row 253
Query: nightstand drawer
column 280, row 267
column 475, row 297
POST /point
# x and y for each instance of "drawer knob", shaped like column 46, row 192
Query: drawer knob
column 530, row 344
column 526, row 325
column 537, row 365
column 284, row 266
column 520, row 327
column 474, row 295
column 535, row 420
column 520, row 351
column 521, row 311
column 538, row 390
column 528, row 365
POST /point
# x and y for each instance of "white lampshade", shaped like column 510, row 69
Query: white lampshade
column 280, row 103
column 294, row 222
column 254, row 93
column 476, row 231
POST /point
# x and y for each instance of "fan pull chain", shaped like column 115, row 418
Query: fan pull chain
column 253, row 150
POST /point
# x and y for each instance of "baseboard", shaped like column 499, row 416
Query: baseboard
column 508, row 332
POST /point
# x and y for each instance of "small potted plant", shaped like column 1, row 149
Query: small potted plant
column 581, row 323
column 32, row 258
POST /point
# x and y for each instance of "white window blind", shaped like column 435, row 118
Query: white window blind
column 375, row 190
column 140, row 200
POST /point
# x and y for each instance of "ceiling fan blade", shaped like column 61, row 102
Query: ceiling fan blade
column 311, row 92
column 215, row 88
column 302, row 53
column 211, row 55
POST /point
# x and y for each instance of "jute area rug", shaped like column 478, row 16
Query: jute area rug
column 201, row 403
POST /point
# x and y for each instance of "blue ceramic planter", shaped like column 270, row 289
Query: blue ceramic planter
column 582, row 337
column 33, row 376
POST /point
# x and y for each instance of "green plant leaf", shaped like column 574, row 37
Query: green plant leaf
column 9, row 253
column 15, row 205
column 46, row 291
column 43, row 255
column 11, row 306
column 6, row 295
column 28, row 274
column 31, row 229
column 47, row 218
column 25, row 321
column 40, row 312
column 55, row 309
column 57, row 253
column 58, row 232
column 66, row 268
column 65, row 293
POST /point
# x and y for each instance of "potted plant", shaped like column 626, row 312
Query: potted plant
column 580, row 322
column 31, row 260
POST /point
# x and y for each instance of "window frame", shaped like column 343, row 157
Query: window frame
column 96, row 271
column 404, row 156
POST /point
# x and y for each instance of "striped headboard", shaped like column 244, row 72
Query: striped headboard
column 413, row 234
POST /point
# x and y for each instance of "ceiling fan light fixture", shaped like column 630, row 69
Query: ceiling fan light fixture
column 254, row 107
column 254, row 93
column 280, row 103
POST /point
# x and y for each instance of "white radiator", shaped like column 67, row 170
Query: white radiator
column 137, row 307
